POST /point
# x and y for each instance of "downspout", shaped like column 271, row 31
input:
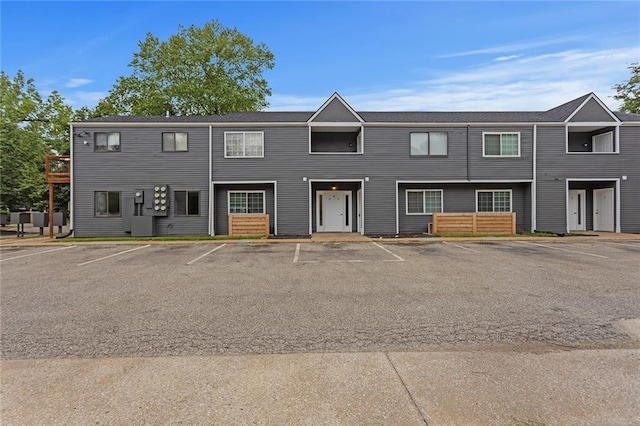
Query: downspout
column 210, row 186
column 71, row 166
column 468, row 156
column 534, row 184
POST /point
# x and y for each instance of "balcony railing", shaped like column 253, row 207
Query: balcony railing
column 58, row 168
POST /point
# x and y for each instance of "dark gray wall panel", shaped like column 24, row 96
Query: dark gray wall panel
column 335, row 111
column 591, row 112
column 221, row 205
column 461, row 198
column 508, row 168
column 140, row 164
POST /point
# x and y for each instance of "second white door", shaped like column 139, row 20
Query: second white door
column 333, row 211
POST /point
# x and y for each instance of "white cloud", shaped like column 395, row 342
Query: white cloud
column 76, row 82
column 513, row 47
column 81, row 98
column 506, row 58
column 521, row 84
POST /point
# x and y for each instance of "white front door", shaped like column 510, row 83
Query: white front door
column 576, row 213
column 333, row 211
column 603, row 209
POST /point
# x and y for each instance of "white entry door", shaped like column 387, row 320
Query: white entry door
column 333, row 211
column 603, row 209
column 576, row 213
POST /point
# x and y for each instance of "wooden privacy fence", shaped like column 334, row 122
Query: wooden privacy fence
column 248, row 224
column 474, row 223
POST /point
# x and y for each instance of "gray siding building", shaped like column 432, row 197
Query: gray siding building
column 575, row 167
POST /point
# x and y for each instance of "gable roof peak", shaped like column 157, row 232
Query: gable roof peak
column 333, row 98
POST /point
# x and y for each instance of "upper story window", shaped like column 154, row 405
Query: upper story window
column 592, row 140
column 174, row 142
column 424, row 201
column 107, row 203
column 244, row 144
column 493, row 201
column 187, row 203
column 501, row 144
column 431, row 144
column 246, row 202
column 107, row 142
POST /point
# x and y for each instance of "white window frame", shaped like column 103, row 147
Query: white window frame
column 493, row 207
column 244, row 145
column 264, row 200
column 423, row 191
column 429, row 154
column 501, row 134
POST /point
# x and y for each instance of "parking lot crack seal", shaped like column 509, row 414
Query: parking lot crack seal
column 406, row 389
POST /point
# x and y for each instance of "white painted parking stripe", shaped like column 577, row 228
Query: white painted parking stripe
column 621, row 244
column 113, row 255
column 206, row 254
column 460, row 247
column 562, row 249
column 40, row 252
column 297, row 255
column 390, row 252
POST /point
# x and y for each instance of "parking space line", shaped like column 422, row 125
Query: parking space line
column 389, row 251
column 460, row 247
column 40, row 252
column 113, row 255
column 191, row 262
column 296, row 256
column 562, row 249
column 621, row 244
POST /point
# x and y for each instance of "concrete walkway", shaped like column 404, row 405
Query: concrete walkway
column 578, row 387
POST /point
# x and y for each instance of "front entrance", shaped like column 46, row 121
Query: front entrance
column 603, row 210
column 334, row 211
column 577, row 214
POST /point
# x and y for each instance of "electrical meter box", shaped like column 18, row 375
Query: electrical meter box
column 160, row 200
column 138, row 196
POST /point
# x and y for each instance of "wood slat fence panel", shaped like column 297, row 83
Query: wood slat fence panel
column 248, row 224
column 474, row 223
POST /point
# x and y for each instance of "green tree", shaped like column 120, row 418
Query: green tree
column 629, row 92
column 31, row 128
column 204, row 70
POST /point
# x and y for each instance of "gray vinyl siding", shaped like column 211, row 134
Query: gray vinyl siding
column 221, row 205
column 335, row 111
column 140, row 164
column 507, row 168
column 461, row 198
column 555, row 166
column 591, row 112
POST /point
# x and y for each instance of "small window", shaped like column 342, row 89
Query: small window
column 432, row 144
column 107, row 203
column 107, row 142
column 246, row 202
column 501, row 144
column 424, row 201
column 244, row 144
column 187, row 203
column 493, row 201
column 174, row 142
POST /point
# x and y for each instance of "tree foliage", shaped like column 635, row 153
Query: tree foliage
column 204, row 70
column 629, row 92
column 31, row 128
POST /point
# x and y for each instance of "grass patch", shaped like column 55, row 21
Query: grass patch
column 521, row 234
column 165, row 238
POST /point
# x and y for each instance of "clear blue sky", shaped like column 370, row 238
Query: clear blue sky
column 377, row 55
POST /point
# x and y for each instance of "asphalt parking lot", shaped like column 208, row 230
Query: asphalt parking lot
column 106, row 300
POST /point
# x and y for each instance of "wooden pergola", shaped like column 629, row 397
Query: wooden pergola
column 57, row 171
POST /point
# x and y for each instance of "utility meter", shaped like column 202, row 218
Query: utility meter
column 160, row 200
